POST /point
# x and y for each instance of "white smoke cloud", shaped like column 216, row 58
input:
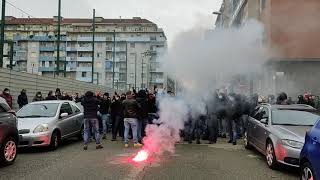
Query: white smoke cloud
column 202, row 60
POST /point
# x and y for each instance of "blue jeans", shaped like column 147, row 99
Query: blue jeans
column 139, row 129
column 232, row 130
column 105, row 123
column 95, row 128
column 133, row 122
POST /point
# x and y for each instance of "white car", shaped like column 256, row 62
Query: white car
column 46, row 123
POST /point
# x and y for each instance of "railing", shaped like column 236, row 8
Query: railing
column 84, row 69
column 46, row 58
column 84, row 59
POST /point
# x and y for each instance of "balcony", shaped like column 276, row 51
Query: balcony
column 118, row 49
column 84, row 48
column 48, row 48
column 116, row 70
column 19, row 48
column 71, row 69
column 84, row 69
column 46, row 69
column 72, row 48
column 71, row 58
column 46, row 58
column 84, row 59
column 89, row 39
column 157, row 81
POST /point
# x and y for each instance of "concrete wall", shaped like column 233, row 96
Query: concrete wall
column 16, row 81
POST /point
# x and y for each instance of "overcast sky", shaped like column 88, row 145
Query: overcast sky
column 173, row 16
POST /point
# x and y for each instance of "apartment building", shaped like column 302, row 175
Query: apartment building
column 292, row 36
column 126, row 51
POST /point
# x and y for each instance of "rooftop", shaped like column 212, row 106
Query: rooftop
column 51, row 21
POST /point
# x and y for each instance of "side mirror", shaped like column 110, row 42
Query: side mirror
column 264, row 121
column 64, row 115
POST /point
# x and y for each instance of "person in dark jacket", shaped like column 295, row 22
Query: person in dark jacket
column 38, row 97
column 22, row 98
column 6, row 95
column 77, row 98
column 90, row 108
column 116, row 116
column 51, row 96
column 143, row 115
column 104, row 109
column 131, row 111
column 58, row 94
column 282, row 99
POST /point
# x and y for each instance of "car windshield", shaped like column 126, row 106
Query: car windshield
column 294, row 117
column 38, row 110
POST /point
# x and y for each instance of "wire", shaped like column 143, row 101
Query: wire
column 23, row 11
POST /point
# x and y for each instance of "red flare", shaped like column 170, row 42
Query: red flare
column 141, row 156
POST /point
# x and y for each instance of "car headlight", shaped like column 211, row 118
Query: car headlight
column 292, row 143
column 41, row 128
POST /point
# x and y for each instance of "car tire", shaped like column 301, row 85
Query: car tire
column 271, row 156
column 246, row 140
column 307, row 172
column 55, row 141
column 8, row 151
column 80, row 136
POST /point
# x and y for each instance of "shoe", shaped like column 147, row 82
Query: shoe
column 224, row 136
column 234, row 143
column 190, row 142
column 104, row 137
column 99, row 146
column 85, row 147
column 113, row 139
column 126, row 145
column 230, row 141
column 198, row 142
column 137, row 145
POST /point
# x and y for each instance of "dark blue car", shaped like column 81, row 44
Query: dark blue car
column 310, row 155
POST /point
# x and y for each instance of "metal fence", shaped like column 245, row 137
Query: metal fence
column 16, row 81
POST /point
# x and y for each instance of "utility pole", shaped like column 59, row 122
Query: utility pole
column 3, row 16
column 135, row 71
column 142, row 56
column 114, row 56
column 93, row 41
column 58, row 38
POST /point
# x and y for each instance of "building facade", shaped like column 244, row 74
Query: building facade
column 292, row 36
column 126, row 51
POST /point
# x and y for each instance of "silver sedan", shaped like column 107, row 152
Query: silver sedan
column 278, row 132
column 46, row 123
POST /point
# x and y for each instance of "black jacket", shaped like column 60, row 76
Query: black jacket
column 22, row 100
column 51, row 98
column 144, row 107
column 116, row 108
column 131, row 108
column 104, row 106
column 90, row 107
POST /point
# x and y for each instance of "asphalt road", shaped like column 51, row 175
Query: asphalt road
column 200, row 162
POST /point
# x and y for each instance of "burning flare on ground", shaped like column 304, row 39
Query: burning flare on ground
column 141, row 156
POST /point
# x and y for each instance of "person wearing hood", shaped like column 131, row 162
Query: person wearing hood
column 90, row 108
column 143, row 116
column 116, row 117
column 38, row 97
column 51, row 96
column 104, row 108
column 58, row 94
column 6, row 95
column 22, row 98
column 221, row 113
column 282, row 99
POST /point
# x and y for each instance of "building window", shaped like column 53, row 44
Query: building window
column 131, row 75
column 153, row 38
column 43, row 64
column 84, row 74
column 99, row 55
column 132, row 45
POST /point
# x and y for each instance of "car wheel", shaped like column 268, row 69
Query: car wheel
column 271, row 156
column 307, row 172
column 246, row 141
column 80, row 136
column 55, row 141
column 8, row 151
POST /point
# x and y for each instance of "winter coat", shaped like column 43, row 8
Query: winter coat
column 116, row 108
column 8, row 98
column 104, row 106
column 131, row 108
column 36, row 98
column 22, row 100
column 51, row 98
column 90, row 107
column 144, row 107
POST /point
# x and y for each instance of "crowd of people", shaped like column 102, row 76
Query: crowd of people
column 127, row 115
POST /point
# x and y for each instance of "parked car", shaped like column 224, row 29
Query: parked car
column 47, row 123
column 310, row 154
column 9, row 136
column 278, row 131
